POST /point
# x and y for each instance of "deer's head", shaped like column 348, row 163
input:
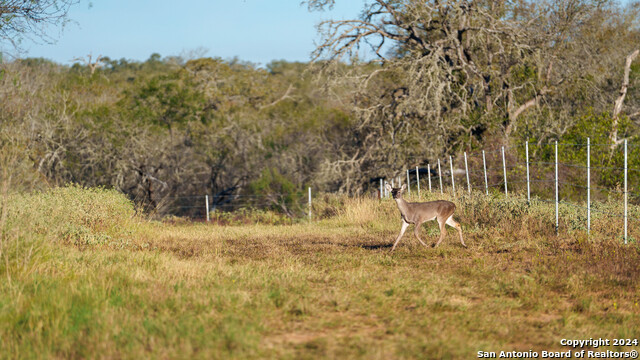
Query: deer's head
column 396, row 193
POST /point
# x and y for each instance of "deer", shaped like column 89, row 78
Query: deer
column 419, row 212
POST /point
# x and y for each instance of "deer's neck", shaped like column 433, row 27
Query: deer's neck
column 403, row 206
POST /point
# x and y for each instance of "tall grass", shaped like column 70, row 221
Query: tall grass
column 36, row 224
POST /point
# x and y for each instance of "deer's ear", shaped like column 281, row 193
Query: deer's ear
column 388, row 187
column 404, row 186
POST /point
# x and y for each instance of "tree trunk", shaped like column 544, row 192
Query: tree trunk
column 617, row 108
column 514, row 113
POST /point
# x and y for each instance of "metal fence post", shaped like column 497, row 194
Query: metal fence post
column 440, row 175
column 528, row 178
column 626, row 194
column 504, row 169
column 206, row 201
column 588, row 186
column 429, row 175
column 453, row 182
column 557, row 198
column 484, row 163
column 309, row 203
column 466, row 170
column 381, row 188
column 418, row 180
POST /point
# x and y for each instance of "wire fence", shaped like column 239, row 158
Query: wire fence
column 539, row 173
column 202, row 206
column 514, row 169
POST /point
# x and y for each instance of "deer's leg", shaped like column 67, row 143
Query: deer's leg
column 456, row 225
column 443, row 231
column 404, row 228
column 415, row 232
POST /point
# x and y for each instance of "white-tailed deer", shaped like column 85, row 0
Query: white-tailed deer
column 417, row 213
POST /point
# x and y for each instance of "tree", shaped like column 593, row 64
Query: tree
column 617, row 109
column 460, row 72
column 26, row 18
column 93, row 65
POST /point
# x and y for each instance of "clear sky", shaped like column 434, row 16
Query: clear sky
column 253, row 30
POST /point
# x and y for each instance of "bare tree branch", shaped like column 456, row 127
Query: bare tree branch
column 617, row 108
column 28, row 18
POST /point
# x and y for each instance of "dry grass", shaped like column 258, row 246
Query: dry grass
column 327, row 289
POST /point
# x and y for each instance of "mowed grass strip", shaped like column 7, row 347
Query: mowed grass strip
column 325, row 289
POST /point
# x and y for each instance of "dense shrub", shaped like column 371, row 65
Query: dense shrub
column 34, row 224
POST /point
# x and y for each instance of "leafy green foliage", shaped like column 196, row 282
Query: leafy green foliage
column 606, row 163
column 163, row 130
column 279, row 191
column 167, row 101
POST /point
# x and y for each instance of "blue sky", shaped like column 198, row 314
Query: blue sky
column 253, row 30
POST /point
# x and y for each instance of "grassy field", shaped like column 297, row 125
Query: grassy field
column 82, row 276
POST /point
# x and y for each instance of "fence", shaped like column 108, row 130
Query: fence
column 201, row 206
column 510, row 173
column 513, row 169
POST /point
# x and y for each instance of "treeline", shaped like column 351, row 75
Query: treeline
column 449, row 76
column 167, row 128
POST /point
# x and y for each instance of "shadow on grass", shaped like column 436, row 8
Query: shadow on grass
column 355, row 245
column 377, row 246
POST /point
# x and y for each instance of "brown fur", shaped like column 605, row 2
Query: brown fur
column 418, row 213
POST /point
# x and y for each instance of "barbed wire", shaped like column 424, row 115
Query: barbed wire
column 231, row 196
column 499, row 150
column 182, row 197
column 487, row 152
column 618, row 146
column 495, row 169
column 573, row 165
column 586, row 208
column 517, row 182
column 541, row 163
